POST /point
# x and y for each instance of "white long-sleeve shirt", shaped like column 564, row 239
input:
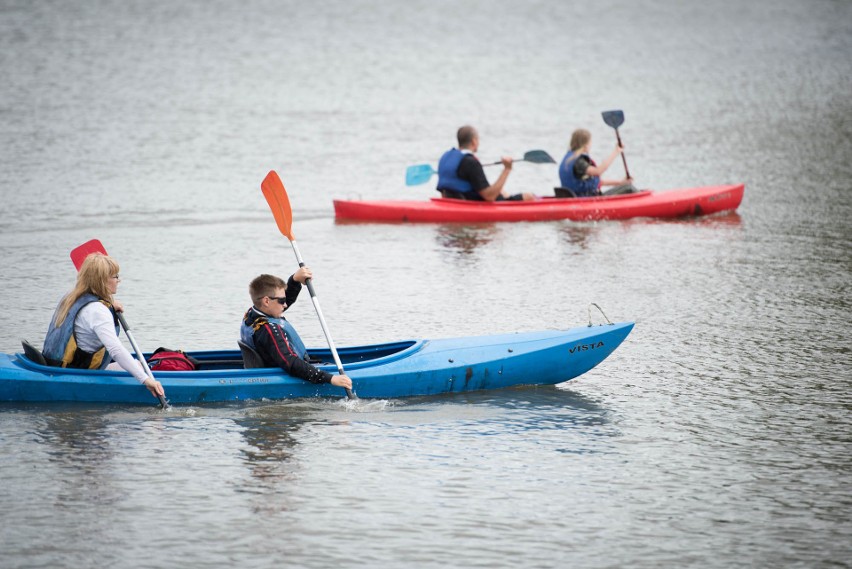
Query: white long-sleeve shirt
column 95, row 327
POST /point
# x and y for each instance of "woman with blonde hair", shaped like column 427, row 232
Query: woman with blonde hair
column 579, row 173
column 83, row 332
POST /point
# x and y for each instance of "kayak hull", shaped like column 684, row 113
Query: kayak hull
column 684, row 202
column 400, row 369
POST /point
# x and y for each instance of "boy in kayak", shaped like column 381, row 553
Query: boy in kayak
column 274, row 338
column 83, row 332
column 579, row 173
column 460, row 174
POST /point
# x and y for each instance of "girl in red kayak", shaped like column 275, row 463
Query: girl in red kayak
column 581, row 175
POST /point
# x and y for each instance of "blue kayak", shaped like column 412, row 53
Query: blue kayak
column 398, row 369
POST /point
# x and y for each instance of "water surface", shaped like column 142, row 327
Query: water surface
column 717, row 435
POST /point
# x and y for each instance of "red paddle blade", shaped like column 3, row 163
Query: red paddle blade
column 279, row 203
column 79, row 254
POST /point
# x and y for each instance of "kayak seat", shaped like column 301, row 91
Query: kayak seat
column 560, row 192
column 314, row 360
column 33, row 354
column 622, row 189
column 205, row 365
column 251, row 359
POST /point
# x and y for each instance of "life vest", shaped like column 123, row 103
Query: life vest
column 60, row 344
column 448, row 167
column 588, row 186
column 254, row 320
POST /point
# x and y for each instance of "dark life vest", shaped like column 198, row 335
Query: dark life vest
column 587, row 186
column 448, row 168
column 60, row 344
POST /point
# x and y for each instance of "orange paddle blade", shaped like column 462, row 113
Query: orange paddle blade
column 279, row 203
column 79, row 254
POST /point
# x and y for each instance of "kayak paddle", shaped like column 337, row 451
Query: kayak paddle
column 615, row 119
column 534, row 156
column 421, row 173
column 78, row 255
column 279, row 203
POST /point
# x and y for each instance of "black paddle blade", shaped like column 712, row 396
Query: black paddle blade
column 613, row 118
column 538, row 157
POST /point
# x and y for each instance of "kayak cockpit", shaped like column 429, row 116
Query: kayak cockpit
column 370, row 353
column 350, row 357
column 219, row 360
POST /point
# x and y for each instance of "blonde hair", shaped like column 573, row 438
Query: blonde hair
column 579, row 139
column 93, row 278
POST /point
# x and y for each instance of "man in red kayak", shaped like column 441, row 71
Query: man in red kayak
column 460, row 174
column 272, row 337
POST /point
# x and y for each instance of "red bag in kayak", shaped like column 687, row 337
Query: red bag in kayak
column 164, row 359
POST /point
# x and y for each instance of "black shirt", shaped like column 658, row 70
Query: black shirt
column 470, row 170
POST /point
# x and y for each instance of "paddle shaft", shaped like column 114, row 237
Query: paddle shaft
column 500, row 161
column 139, row 355
column 325, row 329
column 623, row 159
column 422, row 173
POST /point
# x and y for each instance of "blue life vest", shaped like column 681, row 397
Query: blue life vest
column 253, row 320
column 448, row 168
column 60, row 344
column 588, row 186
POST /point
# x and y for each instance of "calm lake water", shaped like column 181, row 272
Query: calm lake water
column 717, row 435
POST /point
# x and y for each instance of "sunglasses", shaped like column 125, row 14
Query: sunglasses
column 281, row 299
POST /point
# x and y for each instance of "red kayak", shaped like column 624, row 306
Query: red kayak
column 668, row 204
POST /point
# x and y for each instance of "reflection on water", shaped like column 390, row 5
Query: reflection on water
column 463, row 239
column 271, row 440
column 584, row 235
column 540, row 397
column 78, row 435
column 270, row 432
column 579, row 234
column 727, row 219
column 553, row 414
column 79, row 446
